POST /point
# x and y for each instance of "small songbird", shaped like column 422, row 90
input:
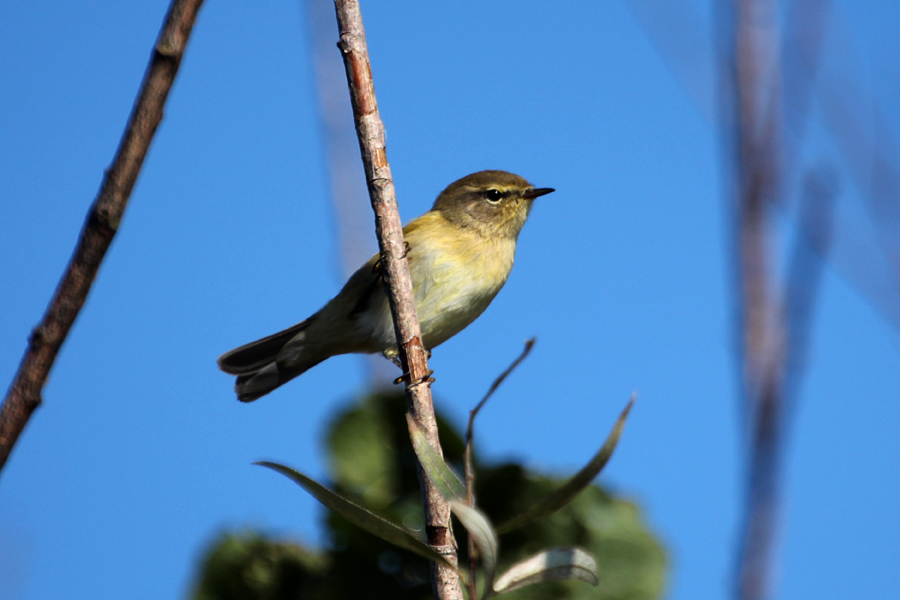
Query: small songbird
column 460, row 254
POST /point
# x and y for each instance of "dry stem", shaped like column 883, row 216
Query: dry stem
column 102, row 222
column 388, row 229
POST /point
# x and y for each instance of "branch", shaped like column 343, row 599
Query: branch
column 102, row 222
column 388, row 229
column 861, row 138
column 763, row 330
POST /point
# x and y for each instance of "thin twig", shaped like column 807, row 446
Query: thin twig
column 804, row 272
column 529, row 344
column 102, row 222
column 470, row 472
column 388, row 229
column 467, row 458
column 774, row 399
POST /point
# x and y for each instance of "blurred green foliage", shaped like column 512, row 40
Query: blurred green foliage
column 372, row 463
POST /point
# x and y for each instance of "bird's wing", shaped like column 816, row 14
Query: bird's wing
column 368, row 280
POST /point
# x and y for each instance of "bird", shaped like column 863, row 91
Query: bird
column 460, row 255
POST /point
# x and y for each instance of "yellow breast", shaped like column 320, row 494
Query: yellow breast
column 456, row 274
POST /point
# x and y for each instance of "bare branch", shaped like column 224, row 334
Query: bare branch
column 102, row 222
column 755, row 94
column 774, row 319
column 388, row 229
column 774, row 395
column 804, row 272
column 768, row 81
column 869, row 262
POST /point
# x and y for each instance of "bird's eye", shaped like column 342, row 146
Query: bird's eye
column 493, row 196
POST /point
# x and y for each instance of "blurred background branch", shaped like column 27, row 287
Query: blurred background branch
column 824, row 89
column 778, row 86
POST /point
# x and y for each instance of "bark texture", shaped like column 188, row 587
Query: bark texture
column 389, row 230
column 102, row 222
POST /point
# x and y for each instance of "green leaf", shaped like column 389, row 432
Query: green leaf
column 571, row 488
column 359, row 516
column 550, row 565
column 479, row 528
column 440, row 474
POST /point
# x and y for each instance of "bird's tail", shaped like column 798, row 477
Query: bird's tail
column 256, row 365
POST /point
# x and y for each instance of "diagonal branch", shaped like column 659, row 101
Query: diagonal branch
column 388, row 229
column 102, row 222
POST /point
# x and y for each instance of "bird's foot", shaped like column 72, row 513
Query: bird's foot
column 426, row 379
column 376, row 268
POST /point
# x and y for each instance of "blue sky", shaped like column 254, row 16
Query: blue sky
column 140, row 454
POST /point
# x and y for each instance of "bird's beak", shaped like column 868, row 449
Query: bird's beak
column 534, row 193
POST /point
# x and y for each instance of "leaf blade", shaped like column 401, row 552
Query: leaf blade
column 571, row 488
column 556, row 564
column 437, row 470
column 361, row 517
column 479, row 529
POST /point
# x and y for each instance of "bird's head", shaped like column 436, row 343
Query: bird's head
column 494, row 203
